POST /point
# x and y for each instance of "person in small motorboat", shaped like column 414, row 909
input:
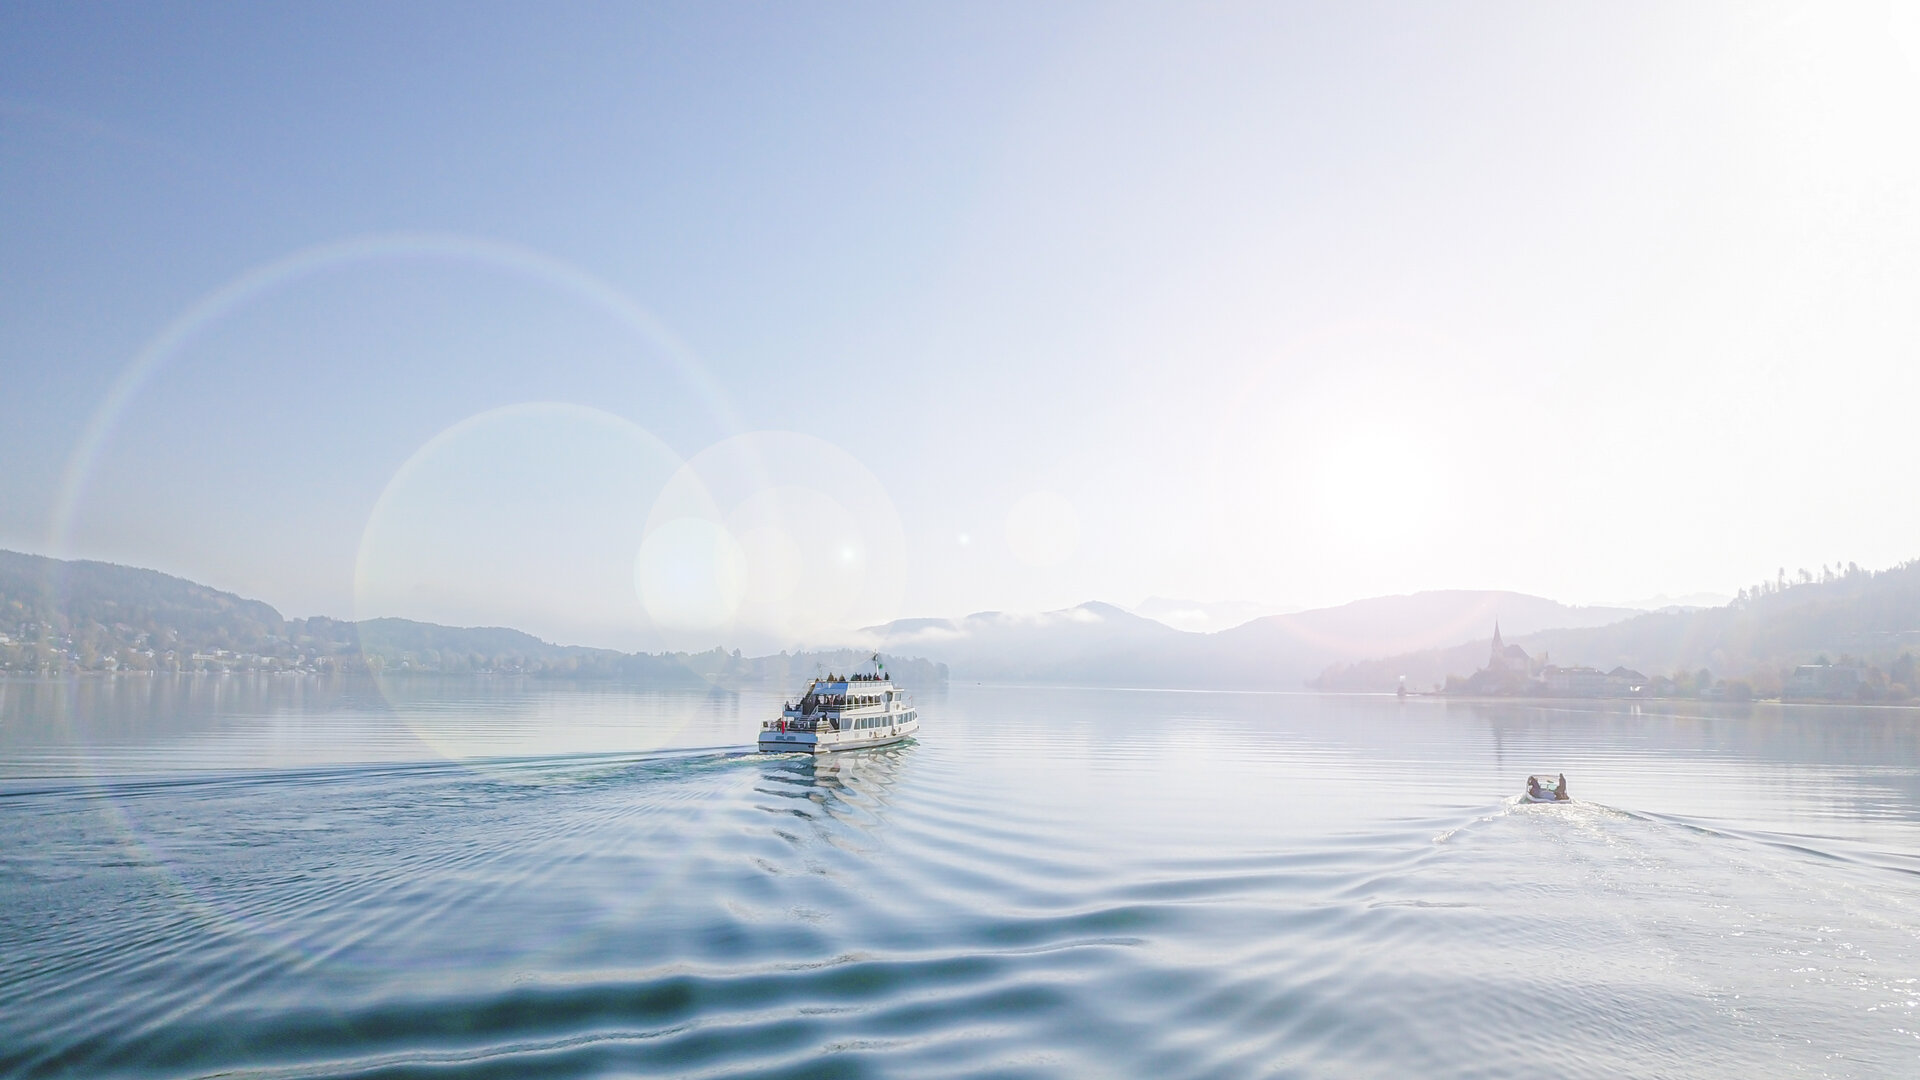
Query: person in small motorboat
column 1533, row 788
column 1560, row 789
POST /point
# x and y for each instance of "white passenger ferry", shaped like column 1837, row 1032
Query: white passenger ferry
column 843, row 712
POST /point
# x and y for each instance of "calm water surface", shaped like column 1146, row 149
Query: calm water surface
column 286, row 878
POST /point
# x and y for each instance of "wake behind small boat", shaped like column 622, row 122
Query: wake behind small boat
column 1547, row 789
column 843, row 712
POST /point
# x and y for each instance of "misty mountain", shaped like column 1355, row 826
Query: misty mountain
column 1759, row 637
column 392, row 635
column 1664, row 602
column 1092, row 644
column 1390, row 624
column 1201, row 616
column 57, row 594
column 65, row 615
column 60, row 617
column 1098, row 644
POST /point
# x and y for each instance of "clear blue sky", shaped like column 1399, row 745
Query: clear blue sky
column 669, row 324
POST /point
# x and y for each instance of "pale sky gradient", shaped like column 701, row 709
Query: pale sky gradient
column 744, row 324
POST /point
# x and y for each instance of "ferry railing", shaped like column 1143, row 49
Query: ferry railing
column 809, row 723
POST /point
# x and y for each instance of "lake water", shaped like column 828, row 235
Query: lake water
column 290, row 878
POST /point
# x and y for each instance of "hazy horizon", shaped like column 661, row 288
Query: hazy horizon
column 650, row 327
column 1177, row 613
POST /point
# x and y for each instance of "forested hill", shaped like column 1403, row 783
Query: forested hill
column 63, row 596
column 1849, row 616
column 59, row 617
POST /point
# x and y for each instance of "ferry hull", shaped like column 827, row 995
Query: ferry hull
column 828, row 742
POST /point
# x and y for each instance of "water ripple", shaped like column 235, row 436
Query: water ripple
column 1295, row 887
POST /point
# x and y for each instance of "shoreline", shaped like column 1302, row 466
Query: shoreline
column 592, row 680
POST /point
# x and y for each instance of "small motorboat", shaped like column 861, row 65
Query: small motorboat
column 1547, row 789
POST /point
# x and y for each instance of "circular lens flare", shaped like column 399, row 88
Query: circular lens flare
column 527, row 517
column 811, row 534
column 266, row 279
column 691, row 574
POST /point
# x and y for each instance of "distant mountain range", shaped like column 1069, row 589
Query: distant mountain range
column 60, row 616
column 1663, row 602
column 1098, row 644
column 1859, row 617
column 1201, row 616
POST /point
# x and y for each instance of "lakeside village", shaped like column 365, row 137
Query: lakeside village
column 35, row 650
column 318, row 646
column 323, row 647
column 335, row 648
column 1511, row 672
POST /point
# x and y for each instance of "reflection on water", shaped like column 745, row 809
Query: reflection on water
column 114, row 727
column 266, row 878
